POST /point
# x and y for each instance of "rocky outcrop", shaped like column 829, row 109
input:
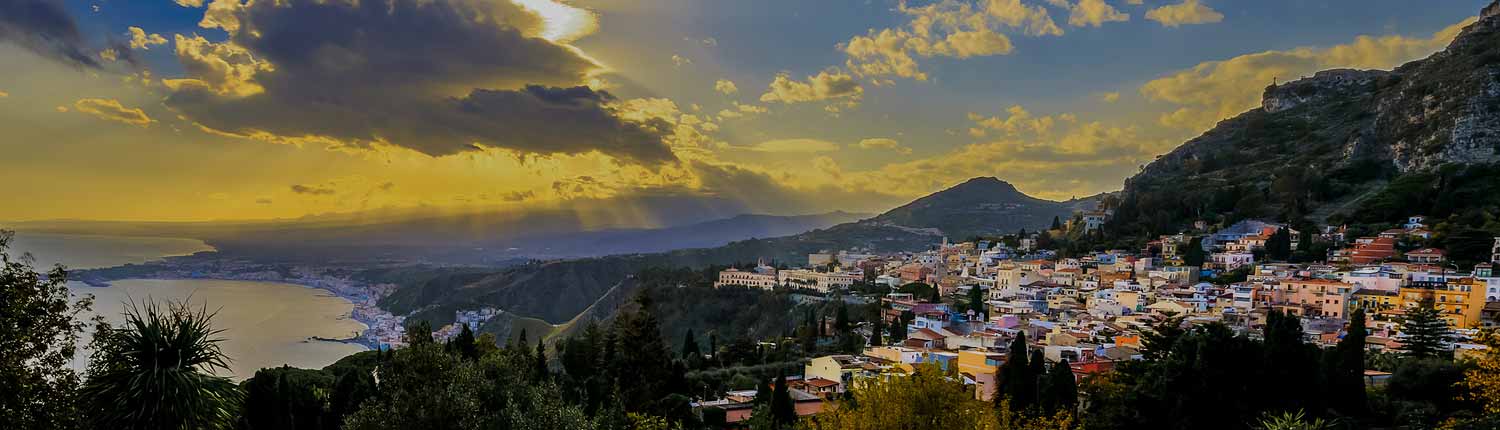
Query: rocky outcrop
column 1328, row 83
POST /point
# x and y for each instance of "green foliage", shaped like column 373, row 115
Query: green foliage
column 38, row 337
column 288, row 398
column 1017, row 377
column 1292, row 421
column 1194, row 254
column 156, row 372
column 1059, row 391
column 1426, row 333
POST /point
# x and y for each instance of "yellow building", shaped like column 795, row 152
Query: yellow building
column 981, row 367
column 1461, row 301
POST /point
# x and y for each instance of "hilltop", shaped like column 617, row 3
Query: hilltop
column 982, row 206
column 1342, row 146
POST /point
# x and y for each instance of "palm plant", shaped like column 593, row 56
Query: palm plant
column 1292, row 421
column 157, row 371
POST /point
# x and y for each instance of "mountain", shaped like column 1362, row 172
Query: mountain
column 558, row 291
column 982, row 206
column 1343, row 146
column 700, row 235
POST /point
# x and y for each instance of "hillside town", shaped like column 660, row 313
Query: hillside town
column 1092, row 311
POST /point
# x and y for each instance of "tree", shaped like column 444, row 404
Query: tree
column 877, row 329
column 926, row 399
column 1060, row 393
column 39, row 333
column 1279, row 245
column 1194, row 254
column 1056, row 223
column 1347, row 383
column 1157, row 342
column 288, row 398
column 841, row 318
column 156, row 372
column 418, row 333
column 690, row 346
column 465, row 345
column 783, row 411
column 1426, row 333
column 1483, row 380
column 977, row 302
column 540, row 358
column 1017, row 382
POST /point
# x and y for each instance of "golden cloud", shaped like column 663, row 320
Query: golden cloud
column 1091, row 13
column 139, row 39
column 725, row 86
column 111, row 109
column 826, row 85
column 949, row 28
column 1187, row 12
column 884, row 143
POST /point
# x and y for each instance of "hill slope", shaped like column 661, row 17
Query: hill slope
column 981, row 206
column 1341, row 146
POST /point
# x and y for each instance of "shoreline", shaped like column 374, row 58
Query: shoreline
column 360, row 338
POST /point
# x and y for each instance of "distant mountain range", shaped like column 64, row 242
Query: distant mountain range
column 558, row 291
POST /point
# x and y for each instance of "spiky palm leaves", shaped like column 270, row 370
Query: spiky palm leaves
column 156, row 371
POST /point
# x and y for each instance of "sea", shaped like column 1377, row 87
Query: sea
column 265, row 324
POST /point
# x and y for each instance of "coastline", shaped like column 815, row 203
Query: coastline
column 362, row 337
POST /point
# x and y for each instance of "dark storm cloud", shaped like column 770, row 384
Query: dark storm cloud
column 46, row 28
column 439, row 77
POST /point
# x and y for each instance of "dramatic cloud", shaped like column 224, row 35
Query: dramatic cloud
column 826, row 85
column 45, row 28
column 139, row 39
column 948, row 28
column 1187, row 12
column 1215, row 90
column 438, row 77
column 725, row 86
column 110, row 109
column 796, row 146
column 189, row 3
column 312, row 190
column 741, row 110
column 884, row 143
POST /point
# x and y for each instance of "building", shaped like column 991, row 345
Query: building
column 1425, row 256
column 1093, row 220
column 1368, row 250
column 755, row 279
column 1495, row 252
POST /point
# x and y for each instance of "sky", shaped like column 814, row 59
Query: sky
column 189, row 110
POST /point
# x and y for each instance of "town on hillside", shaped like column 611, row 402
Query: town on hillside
column 962, row 306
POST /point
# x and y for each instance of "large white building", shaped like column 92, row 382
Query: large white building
column 763, row 277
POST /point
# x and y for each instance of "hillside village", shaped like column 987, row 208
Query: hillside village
column 1091, row 312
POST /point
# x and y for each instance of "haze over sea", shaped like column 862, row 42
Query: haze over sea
column 265, row 324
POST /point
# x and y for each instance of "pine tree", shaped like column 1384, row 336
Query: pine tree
column 877, row 327
column 1056, row 223
column 762, row 393
column 897, row 332
column 713, row 345
column 521, row 341
column 1427, row 334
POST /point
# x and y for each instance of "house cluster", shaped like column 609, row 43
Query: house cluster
column 1092, row 310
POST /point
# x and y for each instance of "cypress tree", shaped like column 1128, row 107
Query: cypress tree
column 1348, row 383
column 876, row 327
column 1194, row 256
column 783, row 411
column 465, row 344
column 1060, row 393
column 542, row 372
column 690, row 346
column 1426, row 333
column 841, row 318
column 1056, row 223
column 1016, row 381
